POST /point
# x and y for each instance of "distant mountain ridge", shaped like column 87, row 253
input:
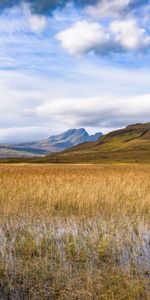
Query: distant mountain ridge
column 55, row 143
column 70, row 138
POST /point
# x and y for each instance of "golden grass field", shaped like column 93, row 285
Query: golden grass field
column 75, row 232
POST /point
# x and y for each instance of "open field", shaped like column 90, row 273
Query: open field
column 75, row 232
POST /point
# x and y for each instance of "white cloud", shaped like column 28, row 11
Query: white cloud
column 129, row 35
column 82, row 37
column 108, row 8
column 85, row 36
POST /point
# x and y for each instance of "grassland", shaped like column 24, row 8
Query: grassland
column 75, row 232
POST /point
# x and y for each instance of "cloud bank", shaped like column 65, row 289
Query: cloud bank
column 103, row 112
column 99, row 113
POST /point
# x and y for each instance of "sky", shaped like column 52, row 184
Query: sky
column 71, row 64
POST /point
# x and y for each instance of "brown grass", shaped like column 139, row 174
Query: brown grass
column 75, row 232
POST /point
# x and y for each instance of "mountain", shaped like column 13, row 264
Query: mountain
column 56, row 143
column 67, row 139
column 130, row 144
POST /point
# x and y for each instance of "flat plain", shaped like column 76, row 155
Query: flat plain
column 75, row 231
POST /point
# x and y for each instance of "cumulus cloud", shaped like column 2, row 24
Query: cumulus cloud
column 129, row 35
column 83, row 37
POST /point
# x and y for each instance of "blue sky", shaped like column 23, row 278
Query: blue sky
column 69, row 64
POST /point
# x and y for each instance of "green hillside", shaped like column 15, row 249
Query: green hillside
column 131, row 144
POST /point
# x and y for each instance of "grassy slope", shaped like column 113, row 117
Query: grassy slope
column 131, row 144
